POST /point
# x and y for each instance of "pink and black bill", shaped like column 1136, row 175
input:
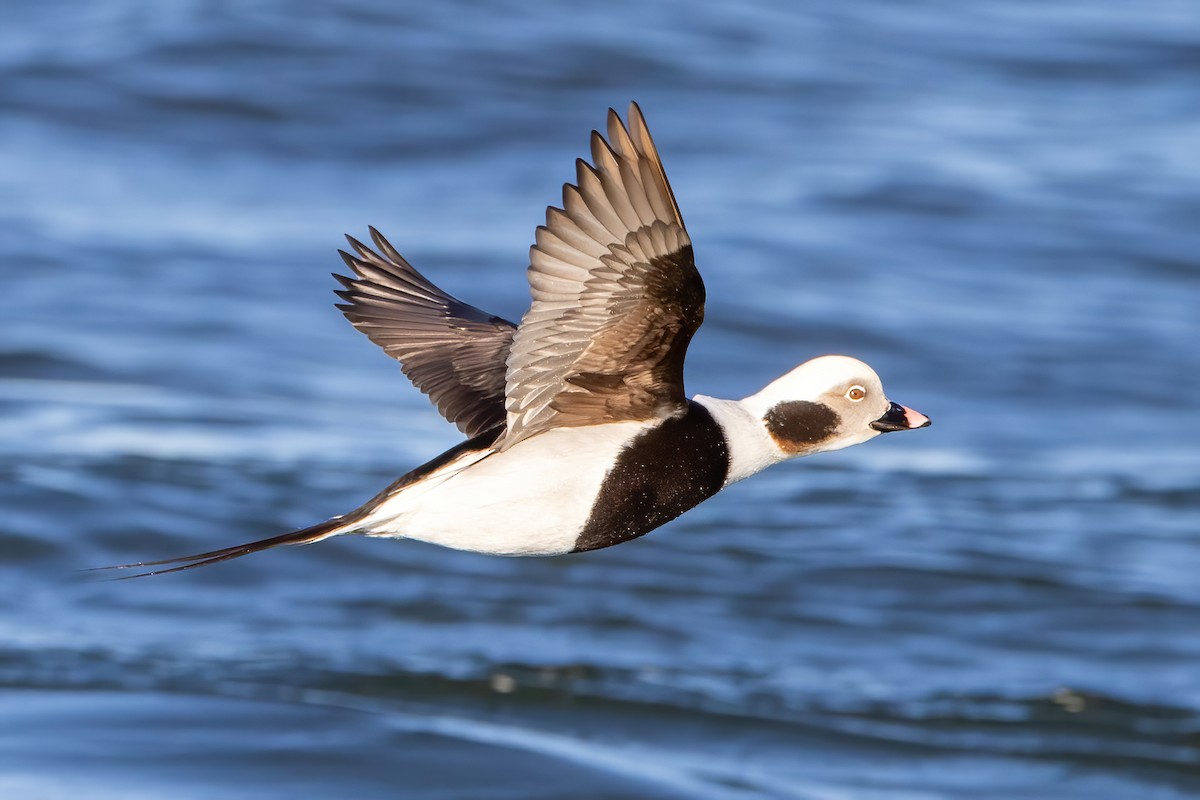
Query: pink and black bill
column 900, row 418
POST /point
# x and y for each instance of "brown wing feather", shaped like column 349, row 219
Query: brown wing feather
column 616, row 296
column 451, row 351
column 633, row 368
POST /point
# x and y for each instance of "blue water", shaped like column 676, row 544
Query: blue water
column 996, row 205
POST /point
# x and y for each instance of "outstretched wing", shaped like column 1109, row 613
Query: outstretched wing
column 616, row 296
column 450, row 350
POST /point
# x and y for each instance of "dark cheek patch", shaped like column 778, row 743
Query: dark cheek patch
column 799, row 425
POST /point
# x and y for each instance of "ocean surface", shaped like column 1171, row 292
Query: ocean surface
column 996, row 204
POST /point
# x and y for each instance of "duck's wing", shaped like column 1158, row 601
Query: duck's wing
column 616, row 296
column 450, row 350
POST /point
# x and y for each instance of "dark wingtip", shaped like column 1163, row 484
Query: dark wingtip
column 613, row 116
column 581, row 164
column 350, row 261
column 635, row 113
column 390, row 252
column 378, row 239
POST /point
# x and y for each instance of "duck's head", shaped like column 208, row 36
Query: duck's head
column 828, row 403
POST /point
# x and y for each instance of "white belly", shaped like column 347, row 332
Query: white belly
column 532, row 499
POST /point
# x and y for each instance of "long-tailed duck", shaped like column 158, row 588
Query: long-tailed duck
column 580, row 435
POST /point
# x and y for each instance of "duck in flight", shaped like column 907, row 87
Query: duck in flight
column 579, row 433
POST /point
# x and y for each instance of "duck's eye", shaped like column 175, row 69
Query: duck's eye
column 856, row 393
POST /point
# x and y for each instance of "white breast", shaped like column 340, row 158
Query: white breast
column 532, row 499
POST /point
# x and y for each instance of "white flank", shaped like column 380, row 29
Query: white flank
column 530, row 500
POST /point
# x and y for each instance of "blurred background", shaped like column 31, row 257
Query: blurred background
column 995, row 205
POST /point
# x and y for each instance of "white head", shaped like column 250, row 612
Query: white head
column 825, row 404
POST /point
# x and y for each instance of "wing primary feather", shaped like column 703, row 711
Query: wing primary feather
column 591, row 189
column 640, row 133
column 385, row 246
column 617, row 193
column 450, row 350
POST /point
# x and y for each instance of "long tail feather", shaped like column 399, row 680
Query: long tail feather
column 309, row 535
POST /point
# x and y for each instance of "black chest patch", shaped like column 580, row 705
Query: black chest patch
column 658, row 476
column 798, row 424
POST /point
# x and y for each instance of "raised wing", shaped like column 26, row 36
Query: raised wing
column 450, row 350
column 616, row 296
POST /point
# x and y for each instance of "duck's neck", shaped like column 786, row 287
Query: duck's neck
column 751, row 448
